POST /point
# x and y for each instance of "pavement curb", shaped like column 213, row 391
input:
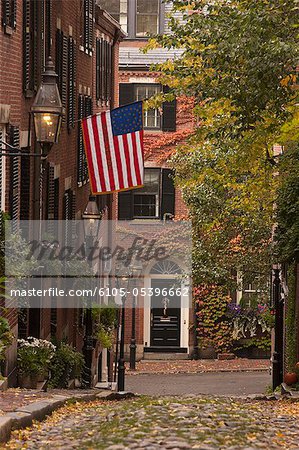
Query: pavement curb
column 23, row 417
column 132, row 373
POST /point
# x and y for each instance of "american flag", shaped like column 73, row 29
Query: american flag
column 113, row 142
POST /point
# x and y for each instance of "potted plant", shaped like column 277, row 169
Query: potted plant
column 34, row 357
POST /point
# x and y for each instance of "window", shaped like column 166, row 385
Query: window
column 138, row 18
column 152, row 117
column 156, row 200
column 9, row 19
column 252, row 289
column 131, row 92
column 146, row 200
column 119, row 10
column 147, row 17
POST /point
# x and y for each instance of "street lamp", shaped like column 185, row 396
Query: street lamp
column 136, row 272
column 123, row 275
column 277, row 357
column 91, row 223
column 91, row 216
column 47, row 110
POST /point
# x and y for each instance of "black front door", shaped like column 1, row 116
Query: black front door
column 165, row 315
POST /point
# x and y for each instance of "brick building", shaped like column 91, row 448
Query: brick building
column 159, row 200
column 83, row 41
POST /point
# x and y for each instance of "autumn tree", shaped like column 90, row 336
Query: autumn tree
column 238, row 63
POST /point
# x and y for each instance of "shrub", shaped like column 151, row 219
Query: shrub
column 6, row 338
column 66, row 365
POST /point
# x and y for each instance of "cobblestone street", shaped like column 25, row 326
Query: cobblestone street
column 166, row 423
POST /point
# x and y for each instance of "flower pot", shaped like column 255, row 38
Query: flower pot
column 290, row 378
column 28, row 381
column 207, row 353
column 42, row 376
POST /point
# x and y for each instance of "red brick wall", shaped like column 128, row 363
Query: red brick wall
column 68, row 14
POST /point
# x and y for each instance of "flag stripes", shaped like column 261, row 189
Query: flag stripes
column 115, row 162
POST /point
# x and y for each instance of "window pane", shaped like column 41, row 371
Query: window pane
column 146, row 25
column 118, row 10
column 144, row 205
column 148, row 6
column 151, row 181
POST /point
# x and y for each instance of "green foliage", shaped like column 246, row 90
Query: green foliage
column 287, row 233
column 213, row 327
column 290, row 321
column 66, row 364
column 6, row 337
column 262, row 343
column 238, row 63
column 105, row 337
column 105, row 319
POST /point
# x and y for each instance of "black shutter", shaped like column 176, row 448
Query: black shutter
column 35, row 42
column 6, row 13
column 169, row 113
column 125, row 205
column 2, row 169
column 65, row 49
column 48, row 31
column 102, row 68
column 25, row 187
column 13, row 14
column 98, row 64
column 71, row 86
column 9, row 13
column 90, row 26
column 27, row 81
column 109, row 72
column 126, row 93
column 80, row 140
column 50, row 193
column 69, row 214
column 167, row 194
column 14, row 177
column 58, row 58
column 86, row 23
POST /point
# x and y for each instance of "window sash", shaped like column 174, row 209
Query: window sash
column 150, row 194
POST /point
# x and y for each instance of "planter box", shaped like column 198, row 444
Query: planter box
column 28, row 381
column 225, row 356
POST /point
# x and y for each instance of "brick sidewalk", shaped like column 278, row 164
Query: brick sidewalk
column 199, row 366
column 13, row 399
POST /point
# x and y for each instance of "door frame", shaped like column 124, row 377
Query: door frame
column 185, row 310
